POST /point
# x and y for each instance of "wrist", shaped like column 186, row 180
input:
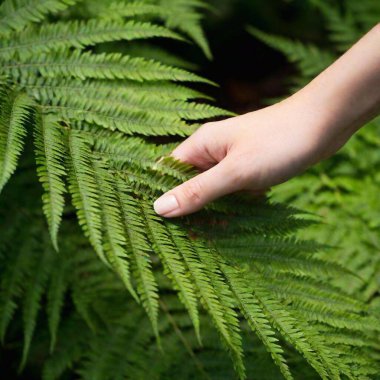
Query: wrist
column 326, row 128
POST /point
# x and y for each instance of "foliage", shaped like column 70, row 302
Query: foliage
column 99, row 122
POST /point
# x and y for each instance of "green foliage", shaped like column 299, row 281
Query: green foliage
column 15, row 111
column 93, row 116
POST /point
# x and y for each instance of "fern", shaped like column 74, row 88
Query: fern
column 343, row 30
column 50, row 157
column 95, row 117
column 15, row 112
column 16, row 14
column 58, row 36
column 183, row 15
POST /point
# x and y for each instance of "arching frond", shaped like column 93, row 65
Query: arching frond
column 16, row 14
column 77, row 34
column 83, row 189
column 50, row 158
column 15, row 113
column 309, row 59
column 100, row 66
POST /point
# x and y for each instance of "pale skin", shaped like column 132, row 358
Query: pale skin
column 261, row 149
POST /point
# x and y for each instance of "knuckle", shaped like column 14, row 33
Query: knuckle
column 193, row 192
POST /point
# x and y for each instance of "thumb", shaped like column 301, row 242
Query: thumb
column 198, row 191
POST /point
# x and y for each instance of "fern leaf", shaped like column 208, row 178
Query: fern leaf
column 341, row 320
column 71, row 348
column 255, row 316
column 41, row 88
column 283, row 254
column 209, row 258
column 55, row 298
column 309, row 59
column 145, row 124
column 185, row 16
column 140, row 249
column 100, row 66
column 12, row 280
column 149, row 50
column 221, row 314
column 178, row 14
column 342, row 28
column 288, row 326
column 32, row 300
column 16, row 14
column 114, row 238
column 50, row 158
column 366, row 12
column 159, row 108
column 15, row 112
column 120, row 9
column 313, row 294
column 83, row 189
column 77, row 34
column 173, row 266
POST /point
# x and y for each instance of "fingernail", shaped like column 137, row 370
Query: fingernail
column 165, row 204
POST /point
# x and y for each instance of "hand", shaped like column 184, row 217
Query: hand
column 267, row 147
column 249, row 152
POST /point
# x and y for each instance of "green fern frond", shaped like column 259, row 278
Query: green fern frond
column 15, row 15
column 120, row 9
column 280, row 254
column 83, row 189
column 58, row 286
column 254, row 314
column 366, row 12
column 211, row 260
column 114, row 238
column 72, row 345
column 12, row 280
column 50, row 159
column 109, row 115
column 309, row 59
column 139, row 248
column 343, row 30
column 81, row 65
column 183, row 15
column 15, row 113
column 322, row 350
column 32, row 301
column 313, row 294
column 212, row 297
column 152, row 51
column 174, row 268
column 287, row 325
column 114, row 111
column 77, row 34
column 42, row 88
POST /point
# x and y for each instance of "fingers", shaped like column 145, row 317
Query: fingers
column 203, row 149
column 198, row 191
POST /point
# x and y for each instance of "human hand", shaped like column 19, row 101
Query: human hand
column 250, row 152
